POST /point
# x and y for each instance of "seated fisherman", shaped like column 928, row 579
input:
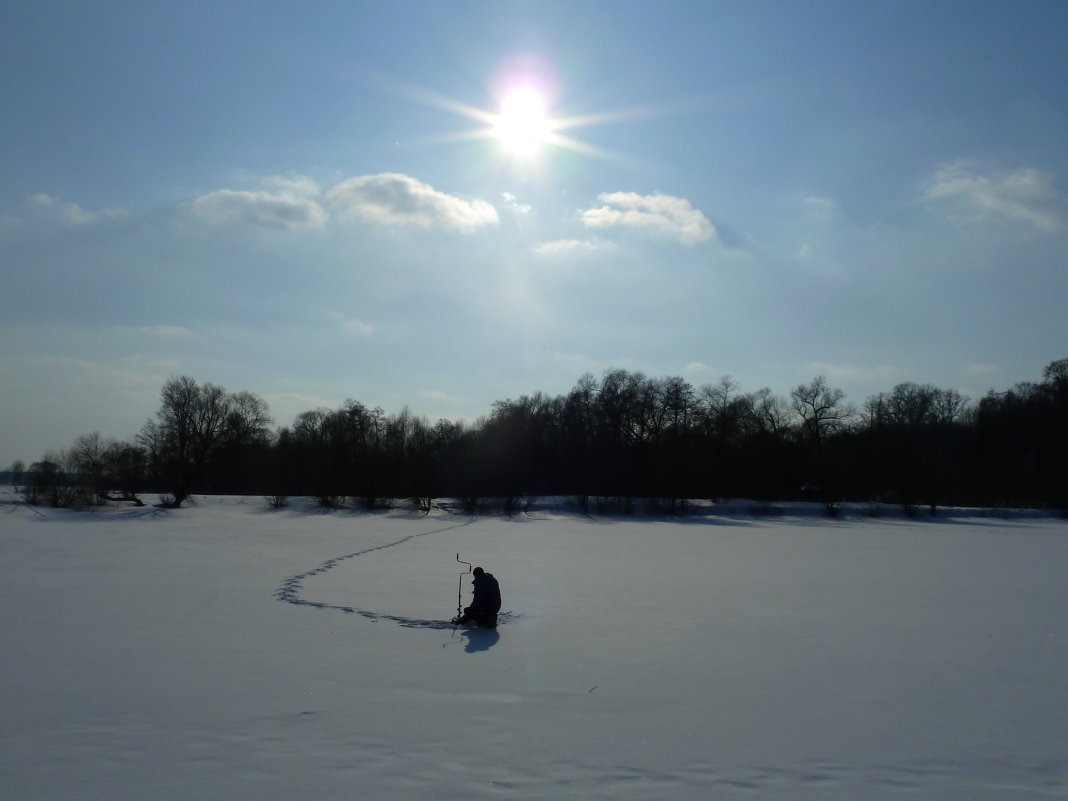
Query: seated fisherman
column 486, row 600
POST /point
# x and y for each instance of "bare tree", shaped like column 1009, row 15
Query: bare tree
column 249, row 418
column 193, row 424
column 89, row 453
column 126, row 465
column 18, row 472
column 914, row 405
column 54, row 481
column 822, row 410
column 768, row 415
column 1055, row 372
column 950, row 406
column 823, row 413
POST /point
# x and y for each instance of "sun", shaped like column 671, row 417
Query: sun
column 522, row 125
column 525, row 122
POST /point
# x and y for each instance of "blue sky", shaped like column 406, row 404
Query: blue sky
column 307, row 201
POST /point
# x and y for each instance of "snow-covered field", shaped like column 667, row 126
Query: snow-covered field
column 232, row 651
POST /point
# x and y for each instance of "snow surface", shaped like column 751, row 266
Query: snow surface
column 231, row 651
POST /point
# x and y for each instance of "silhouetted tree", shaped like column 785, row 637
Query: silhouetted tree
column 89, row 453
column 1021, row 441
column 823, row 413
column 193, row 425
column 54, row 481
column 768, row 451
column 912, row 432
column 621, row 437
column 125, row 466
column 17, row 472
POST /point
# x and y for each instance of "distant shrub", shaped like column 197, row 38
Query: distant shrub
column 765, row 509
column 373, row 502
column 615, row 505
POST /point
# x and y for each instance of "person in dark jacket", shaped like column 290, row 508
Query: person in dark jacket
column 486, row 600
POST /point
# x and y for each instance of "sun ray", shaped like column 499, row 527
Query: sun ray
column 522, row 124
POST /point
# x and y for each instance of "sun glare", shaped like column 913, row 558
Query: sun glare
column 522, row 125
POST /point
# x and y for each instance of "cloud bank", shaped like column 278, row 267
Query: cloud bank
column 274, row 209
column 391, row 199
column 400, row 200
column 663, row 214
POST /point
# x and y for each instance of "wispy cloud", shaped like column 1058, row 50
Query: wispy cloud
column 560, row 246
column 514, row 205
column 840, row 372
column 72, row 213
column 400, row 200
column 821, row 209
column 284, row 209
column 136, row 373
column 439, row 395
column 157, row 331
column 299, row 185
column 358, row 327
column 1025, row 195
column 671, row 216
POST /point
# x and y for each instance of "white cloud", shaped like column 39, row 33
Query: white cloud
column 664, row 214
column 560, row 246
column 396, row 199
column 275, row 209
column 514, row 205
column 1025, row 195
column 73, row 213
column 698, row 367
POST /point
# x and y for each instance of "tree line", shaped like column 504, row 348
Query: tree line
column 609, row 440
